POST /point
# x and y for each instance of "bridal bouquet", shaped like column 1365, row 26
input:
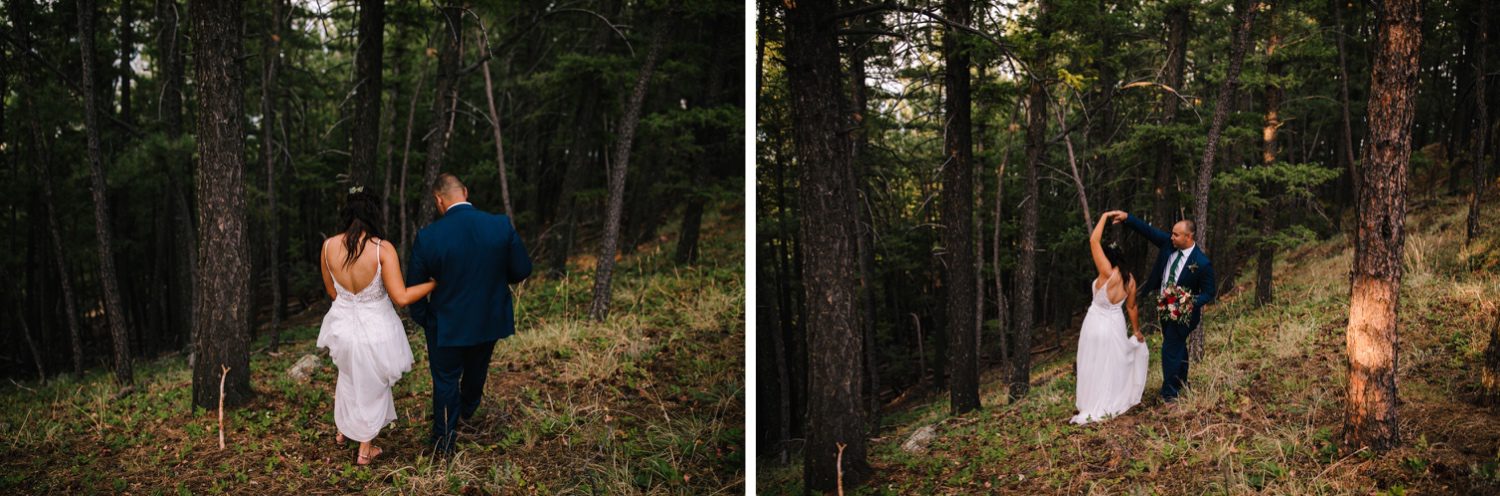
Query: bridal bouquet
column 1175, row 305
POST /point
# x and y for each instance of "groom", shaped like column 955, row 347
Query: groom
column 473, row 255
column 1180, row 263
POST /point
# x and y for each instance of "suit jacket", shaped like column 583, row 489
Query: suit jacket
column 1196, row 274
column 474, row 256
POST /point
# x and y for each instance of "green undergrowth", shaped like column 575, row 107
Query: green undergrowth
column 649, row 401
column 1264, row 413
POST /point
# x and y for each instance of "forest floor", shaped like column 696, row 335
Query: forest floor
column 651, row 401
column 1264, row 414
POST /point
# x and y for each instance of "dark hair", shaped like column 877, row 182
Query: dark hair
column 1117, row 259
column 359, row 220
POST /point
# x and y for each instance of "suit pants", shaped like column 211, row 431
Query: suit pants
column 458, row 374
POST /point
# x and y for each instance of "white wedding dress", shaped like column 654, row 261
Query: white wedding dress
column 1111, row 364
column 365, row 337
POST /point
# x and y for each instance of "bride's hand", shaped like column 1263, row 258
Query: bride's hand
column 1140, row 336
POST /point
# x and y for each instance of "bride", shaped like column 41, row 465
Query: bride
column 1111, row 364
column 362, row 332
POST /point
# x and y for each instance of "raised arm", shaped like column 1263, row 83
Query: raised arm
column 1134, row 311
column 1152, row 234
column 401, row 294
column 1100, row 261
column 323, row 268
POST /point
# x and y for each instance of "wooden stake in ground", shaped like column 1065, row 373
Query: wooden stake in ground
column 840, row 463
column 221, row 404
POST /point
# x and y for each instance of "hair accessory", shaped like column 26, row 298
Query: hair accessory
column 356, row 189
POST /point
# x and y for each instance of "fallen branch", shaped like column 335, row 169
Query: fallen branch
column 222, row 375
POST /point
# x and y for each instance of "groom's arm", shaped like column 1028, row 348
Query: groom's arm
column 1207, row 287
column 1152, row 234
column 417, row 272
column 518, row 267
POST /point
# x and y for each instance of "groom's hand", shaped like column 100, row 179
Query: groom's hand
column 1117, row 216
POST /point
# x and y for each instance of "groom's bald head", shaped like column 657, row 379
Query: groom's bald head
column 448, row 190
column 1183, row 232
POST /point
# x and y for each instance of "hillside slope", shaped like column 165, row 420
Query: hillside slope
column 1264, row 412
column 651, row 401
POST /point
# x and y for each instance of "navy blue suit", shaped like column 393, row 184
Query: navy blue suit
column 1197, row 275
column 474, row 256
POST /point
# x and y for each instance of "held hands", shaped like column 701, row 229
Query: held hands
column 1116, row 216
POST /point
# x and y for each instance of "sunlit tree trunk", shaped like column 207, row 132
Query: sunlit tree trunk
column 1370, row 410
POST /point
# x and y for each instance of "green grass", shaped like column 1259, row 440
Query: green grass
column 1264, row 414
column 649, row 402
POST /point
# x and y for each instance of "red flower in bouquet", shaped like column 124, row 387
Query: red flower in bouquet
column 1175, row 304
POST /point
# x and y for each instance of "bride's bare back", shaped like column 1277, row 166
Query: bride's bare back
column 357, row 274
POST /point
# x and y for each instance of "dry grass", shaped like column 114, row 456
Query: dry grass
column 650, row 402
column 1264, row 414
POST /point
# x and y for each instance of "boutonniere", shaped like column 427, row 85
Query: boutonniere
column 1193, row 268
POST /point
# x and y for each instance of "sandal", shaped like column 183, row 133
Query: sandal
column 361, row 459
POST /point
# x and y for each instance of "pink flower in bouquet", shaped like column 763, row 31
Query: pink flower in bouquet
column 1175, row 305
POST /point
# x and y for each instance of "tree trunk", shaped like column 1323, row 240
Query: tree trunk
column 270, row 56
column 109, row 284
column 127, row 52
column 222, row 304
column 1245, row 17
column 54, row 230
column 364, row 132
column 599, row 308
column 1036, row 142
column 445, row 96
column 958, row 216
column 169, row 112
column 411, row 120
column 489, row 97
column 1484, row 125
column 1177, row 38
column 1346, row 152
column 1370, row 413
column 829, row 232
column 1266, row 254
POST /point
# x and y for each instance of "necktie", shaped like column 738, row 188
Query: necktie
column 1172, row 274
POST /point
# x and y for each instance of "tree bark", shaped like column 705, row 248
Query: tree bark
column 270, row 56
column 222, row 304
column 127, row 52
column 108, row 281
column 829, row 232
column 859, row 142
column 599, row 308
column 445, row 96
column 1177, row 38
column 54, row 230
column 364, row 132
column 411, row 120
column 1266, row 253
column 958, row 216
column 1036, row 143
column 1346, row 151
column 1244, row 19
column 1370, row 412
column 1480, row 88
column 489, row 97
column 169, row 112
